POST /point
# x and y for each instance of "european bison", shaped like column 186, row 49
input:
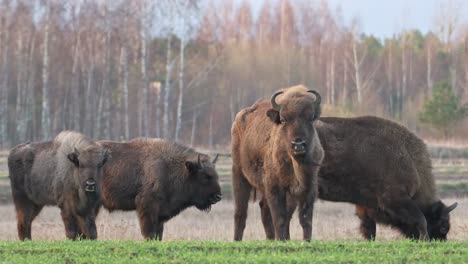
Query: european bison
column 158, row 179
column 63, row 172
column 276, row 151
column 385, row 170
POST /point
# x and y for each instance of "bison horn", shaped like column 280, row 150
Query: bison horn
column 199, row 162
column 318, row 98
column 215, row 159
column 451, row 207
column 275, row 105
column 76, row 151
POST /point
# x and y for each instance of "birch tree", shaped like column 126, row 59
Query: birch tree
column 46, row 124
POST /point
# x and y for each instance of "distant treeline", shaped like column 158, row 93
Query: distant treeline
column 182, row 69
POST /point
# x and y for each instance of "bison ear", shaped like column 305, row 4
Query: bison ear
column 73, row 157
column 215, row 159
column 274, row 116
column 451, row 207
column 106, row 156
column 318, row 112
column 192, row 166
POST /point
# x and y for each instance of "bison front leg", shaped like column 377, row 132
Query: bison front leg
column 406, row 211
column 71, row 225
column 87, row 227
column 306, row 210
column 276, row 198
column 148, row 215
column 160, row 231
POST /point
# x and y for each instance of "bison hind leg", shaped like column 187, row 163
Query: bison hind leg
column 26, row 211
column 368, row 225
column 241, row 190
column 266, row 219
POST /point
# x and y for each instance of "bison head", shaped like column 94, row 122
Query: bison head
column 438, row 220
column 295, row 118
column 203, row 182
column 88, row 166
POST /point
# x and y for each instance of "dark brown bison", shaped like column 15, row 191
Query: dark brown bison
column 276, row 151
column 64, row 172
column 158, row 179
column 385, row 170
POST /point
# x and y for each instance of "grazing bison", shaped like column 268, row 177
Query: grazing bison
column 158, row 179
column 276, row 151
column 385, row 170
column 63, row 172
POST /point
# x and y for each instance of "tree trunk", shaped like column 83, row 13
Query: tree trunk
column 18, row 126
column 5, row 39
column 90, row 101
column 194, row 128
column 30, row 96
column 210, row 132
column 429, row 69
column 125, row 94
column 357, row 72
column 344, row 93
column 181, row 88
column 167, row 88
column 144, row 73
column 46, row 124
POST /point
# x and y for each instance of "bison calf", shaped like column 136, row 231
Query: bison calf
column 276, row 151
column 158, row 179
column 63, row 172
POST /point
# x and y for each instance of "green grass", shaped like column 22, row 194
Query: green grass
column 400, row 251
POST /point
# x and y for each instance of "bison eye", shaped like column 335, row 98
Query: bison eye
column 282, row 121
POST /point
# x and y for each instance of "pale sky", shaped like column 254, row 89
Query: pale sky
column 383, row 18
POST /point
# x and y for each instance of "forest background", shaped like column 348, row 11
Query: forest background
column 182, row 69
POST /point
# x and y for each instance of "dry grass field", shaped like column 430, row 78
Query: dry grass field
column 332, row 221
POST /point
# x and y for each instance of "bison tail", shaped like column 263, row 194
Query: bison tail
column 254, row 195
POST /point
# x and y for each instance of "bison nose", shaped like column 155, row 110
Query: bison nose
column 90, row 185
column 298, row 146
column 216, row 198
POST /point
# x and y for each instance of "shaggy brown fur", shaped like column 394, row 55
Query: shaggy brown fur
column 158, row 179
column 63, row 172
column 386, row 170
column 265, row 158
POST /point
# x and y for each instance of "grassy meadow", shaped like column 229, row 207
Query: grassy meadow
column 232, row 252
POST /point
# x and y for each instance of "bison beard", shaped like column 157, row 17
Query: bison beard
column 276, row 152
column 158, row 179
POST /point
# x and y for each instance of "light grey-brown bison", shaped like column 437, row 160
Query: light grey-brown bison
column 277, row 152
column 158, row 179
column 64, row 172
